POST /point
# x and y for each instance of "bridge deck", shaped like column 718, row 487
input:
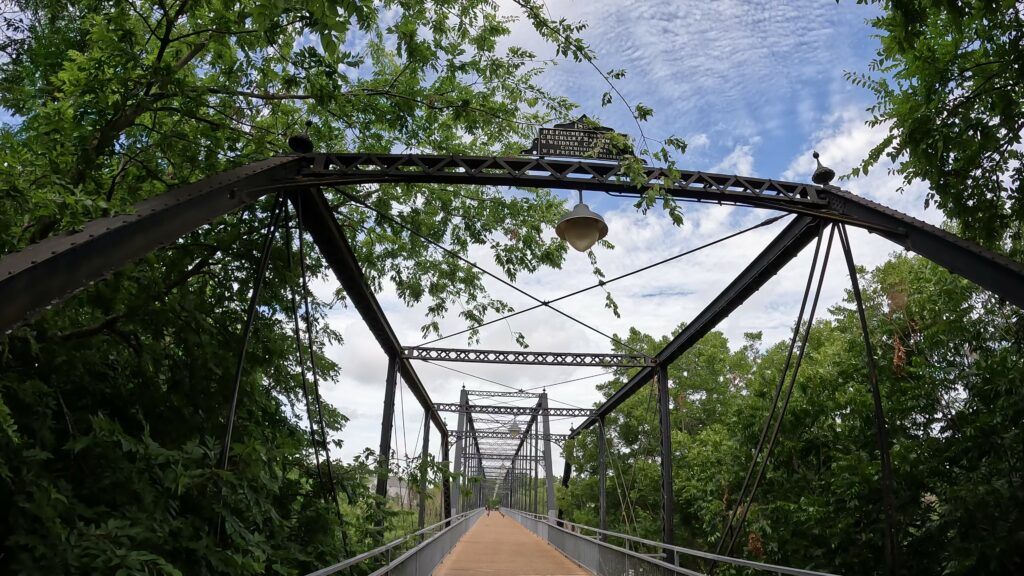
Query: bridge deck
column 500, row 546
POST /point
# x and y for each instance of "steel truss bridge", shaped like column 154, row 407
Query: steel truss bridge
column 498, row 463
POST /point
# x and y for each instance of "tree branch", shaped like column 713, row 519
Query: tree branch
column 261, row 95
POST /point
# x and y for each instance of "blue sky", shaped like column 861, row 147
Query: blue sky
column 747, row 79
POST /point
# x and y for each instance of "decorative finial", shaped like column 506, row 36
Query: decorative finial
column 301, row 143
column 823, row 175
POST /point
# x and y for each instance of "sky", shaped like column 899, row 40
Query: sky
column 754, row 87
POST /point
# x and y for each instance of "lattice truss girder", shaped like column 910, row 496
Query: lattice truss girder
column 593, row 175
column 481, row 436
column 527, row 358
column 506, row 394
column 511, row 410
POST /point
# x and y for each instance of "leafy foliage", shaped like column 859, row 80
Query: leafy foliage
column 113, row 406
column 949, row 367
column 949, row 84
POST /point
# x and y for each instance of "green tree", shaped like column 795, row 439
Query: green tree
column 949, row 84
column 112, row 406
column 949, row 358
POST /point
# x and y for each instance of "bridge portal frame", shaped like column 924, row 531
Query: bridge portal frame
column 50, row 271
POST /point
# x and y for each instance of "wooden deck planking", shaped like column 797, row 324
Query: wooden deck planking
column 500, row 546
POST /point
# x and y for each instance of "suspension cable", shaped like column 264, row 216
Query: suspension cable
column 603, row 283
column 472, row 375
column 530, row 389
column 775, row 398
column 789, row 393
column 401, row 404
column 881, row 431
column 313, row 372
column 476, row 266
column 628, row 509
column 250, row 318
column 325, row 491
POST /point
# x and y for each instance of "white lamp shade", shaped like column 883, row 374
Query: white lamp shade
column 582, row 228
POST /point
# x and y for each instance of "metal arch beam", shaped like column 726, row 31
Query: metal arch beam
column 53, row 269
column 345, row 169
column 992, row 271
column 330, row 239
column 779, row 252
column 49, row 271
column 523, row 357
column 512, row 410
column 1003, row 276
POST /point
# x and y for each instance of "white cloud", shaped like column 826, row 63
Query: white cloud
column 697, row 142
column 739, row 161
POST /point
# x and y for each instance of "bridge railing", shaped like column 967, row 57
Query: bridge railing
column 607, row 553
column 437, row 541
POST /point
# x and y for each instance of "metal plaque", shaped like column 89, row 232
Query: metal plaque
column 578, row 139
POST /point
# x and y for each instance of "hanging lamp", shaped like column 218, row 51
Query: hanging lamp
column 581, row 227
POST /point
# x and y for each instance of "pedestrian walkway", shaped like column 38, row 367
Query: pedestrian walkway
column 500, row 546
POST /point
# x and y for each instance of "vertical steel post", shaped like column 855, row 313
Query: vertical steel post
column 424, row 453
column 536, row 472
column 552, row 506
column 387, row 420
column 446, row 482
column 602, row 477
column 566, row 473
column 881, row 429
column 459, row 441
column 481, row 475
column 519, row 484
column 515, row 484
column 666, row 454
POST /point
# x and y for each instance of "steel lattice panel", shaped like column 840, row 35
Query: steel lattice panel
column 512, row 410
column 482, row 434
column 527, row 358
column 341, row 169
column 499, row 393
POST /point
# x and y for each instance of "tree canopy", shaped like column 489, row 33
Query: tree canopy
column 113, row 405
column 949, row 84
column 949, row 358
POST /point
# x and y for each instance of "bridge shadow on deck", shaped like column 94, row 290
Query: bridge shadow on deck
column 498, row 545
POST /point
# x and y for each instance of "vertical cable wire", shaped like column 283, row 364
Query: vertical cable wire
column 313, row 372
column 789, row 393
column 324, row 490
column 250, row 318
column 881, row 430
column 775, row 399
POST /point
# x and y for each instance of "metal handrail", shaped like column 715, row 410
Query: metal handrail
column 454, row 521
column 559, row 525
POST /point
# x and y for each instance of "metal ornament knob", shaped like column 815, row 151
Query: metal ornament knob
column 300, row 143
column 823, row 175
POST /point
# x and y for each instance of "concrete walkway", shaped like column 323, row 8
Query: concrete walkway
column 500, row 546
